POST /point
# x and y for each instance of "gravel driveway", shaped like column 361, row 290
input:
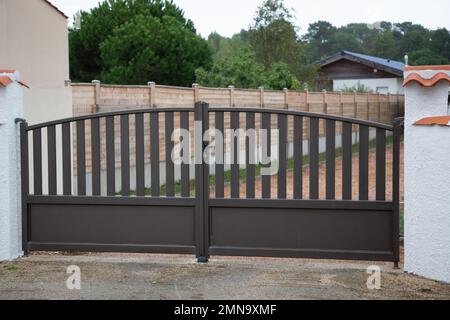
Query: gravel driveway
column 156, row 277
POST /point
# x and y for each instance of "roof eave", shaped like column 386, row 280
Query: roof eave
column 341, row 56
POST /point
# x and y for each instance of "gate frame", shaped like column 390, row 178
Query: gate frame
column 203, row 203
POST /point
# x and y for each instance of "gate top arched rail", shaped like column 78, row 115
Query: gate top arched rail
column 219, row 109
column 308, row 115
column 107, row 114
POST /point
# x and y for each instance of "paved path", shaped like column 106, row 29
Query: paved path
column 115, row 276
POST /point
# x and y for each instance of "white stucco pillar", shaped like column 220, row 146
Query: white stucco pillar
column 427, row 172
column 11, row 107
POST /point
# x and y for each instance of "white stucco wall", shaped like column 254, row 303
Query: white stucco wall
column 11, row 107
column 427, row 183
column 394, row 84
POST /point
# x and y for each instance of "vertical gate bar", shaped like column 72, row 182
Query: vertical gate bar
column 185, row 167
column 154, row 154
column 298, row 157
column 314, row 159
column 125, row 153
column 363, row 163
column 205, row 190
column 81, row 158
column 52, row 175
column 282, row 175
column 67, row 159
column 170, row 167
column 398, row 126
column 37, row 161
column 200, row 187
column 266, row 179
column 250, row 155
column 220, row 166
column 381, row 165
column 347, row 161
column 331, row 160
column 235, row 185
column 96, row 160
column 140, row 167
column 110, row 157
column 25, row 183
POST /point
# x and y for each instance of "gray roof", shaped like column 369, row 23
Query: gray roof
column 387, row 65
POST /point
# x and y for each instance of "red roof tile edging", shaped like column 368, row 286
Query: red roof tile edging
column 434, row 121
column 415, row 77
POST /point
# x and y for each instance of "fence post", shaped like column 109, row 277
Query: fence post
column 231, row 89
column 152, row 93
column 325, row 105
column 261, row 97
column 286, row 97
column 195, row 89
column 307, row 100
column 97, row 87
column 201, row 182
column 11, row 110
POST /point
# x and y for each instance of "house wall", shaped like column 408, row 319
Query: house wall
column 345, row 69
column 394, row 85
column 34, row 41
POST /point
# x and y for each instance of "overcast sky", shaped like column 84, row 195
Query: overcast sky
column 230, row 16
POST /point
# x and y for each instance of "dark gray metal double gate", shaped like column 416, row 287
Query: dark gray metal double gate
column 196, row 216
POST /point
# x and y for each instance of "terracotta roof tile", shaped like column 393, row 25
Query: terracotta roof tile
column 432, row 121
column 415, row 77
column 5, row 81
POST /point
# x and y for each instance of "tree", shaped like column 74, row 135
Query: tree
column 273, row 36
column 320, row 37
column 243, row 71
column 103, row 28
column 148, row 47
column 440, row 42
column 280, row 77
column 223, row 47
column 426, row 57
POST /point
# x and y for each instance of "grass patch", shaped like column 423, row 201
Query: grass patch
column 11, row 268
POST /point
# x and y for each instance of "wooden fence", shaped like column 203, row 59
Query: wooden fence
column 95, row 97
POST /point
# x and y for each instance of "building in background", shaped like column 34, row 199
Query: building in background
column 347, row 70
column 34, row 41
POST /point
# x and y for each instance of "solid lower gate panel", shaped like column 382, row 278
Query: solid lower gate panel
column 302, row 229
column 112, row 225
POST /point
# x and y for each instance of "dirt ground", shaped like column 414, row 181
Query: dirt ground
column 322, row 179
column 159, row 277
